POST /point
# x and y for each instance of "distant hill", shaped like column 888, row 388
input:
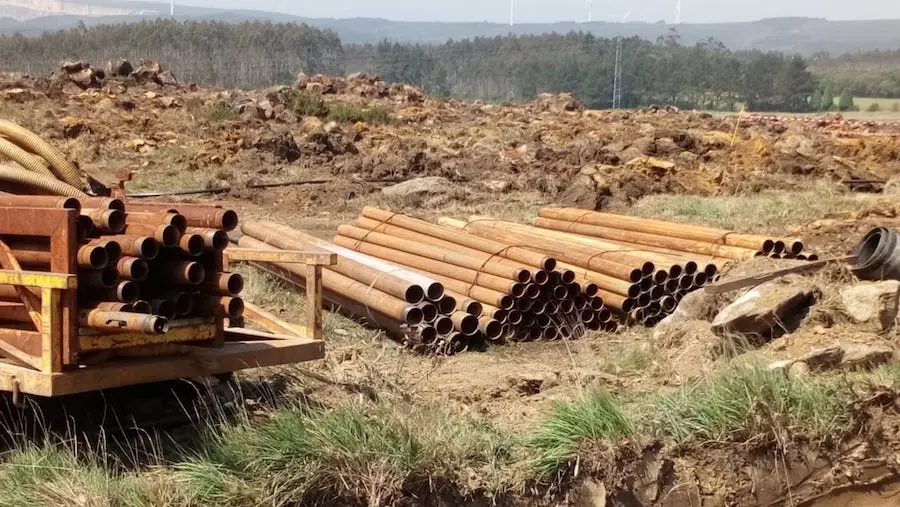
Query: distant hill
column 789, row 35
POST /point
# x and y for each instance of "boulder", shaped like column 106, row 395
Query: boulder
column 697, row 305
column 301, row 81
column 767, row 312
column 874, row 304
column 419, row 186
column 857, row 356
column 892, row 187
column 842, row 356
column 123, row 68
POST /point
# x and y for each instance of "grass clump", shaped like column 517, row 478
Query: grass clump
column 304, row 103
column 750, row 403
column 218, row 112
column 349, row 113
column 593, row 419
column 349, row 455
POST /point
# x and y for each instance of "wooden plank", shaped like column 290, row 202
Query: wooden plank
column 754, row 280
column 51, row 331
column 200, row 362
column 196, row 333
column 312, row 256
column 271, row 323
column 314, row 300
column 25, row 340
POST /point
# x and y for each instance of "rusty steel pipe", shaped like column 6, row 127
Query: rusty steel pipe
column 111, row 306
column 184, row 273
column 644, row 300
column 550, row 334
column 674, row 243
column 164, row 307
column 551, row 307
column 213, row 239
column 477, row 292
column 214, row 218
column 618, row 301
column 512, row 317
column 166, row 234
column 700, row 279
column 427, row 334
column 87, row 256
column 686, row 282
column 669, row 304
column 113, row 248
column 524, row 304
column 489, row 266
column 192, row 244
column 143, row 247
column 39, row 201
column 110, row 221
column 596, row 304
column 224, row 284
column 466, row 304
column 490, row 328
column 183, row 301
column 657, row 291
column 443, row 325
column 511, row 252
column 102, row 203
column 429, row 312
column 142, row 306
column 662, row 228
column 122, row 321
column 155, row 219
column 457, row 342
column 104, row 278
column 541, row 277
column 538, row 307
column 133, row 268
column 673, row 285
column 567, row 306
column 608, row 283
column 464, row 323
column 646, row 284
column 543, row 321
column 432, row 266
column 589, row 289
column 359, row 299
column 580, row 302
column 285, row 237
column 125, row 292
column 85, row 228
column 575, row 289
column 587, row 315
column 233, row 306
column 412, row 289
column 530, row 291
column 446, row 305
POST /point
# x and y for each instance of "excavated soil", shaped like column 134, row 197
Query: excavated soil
column 516, row 156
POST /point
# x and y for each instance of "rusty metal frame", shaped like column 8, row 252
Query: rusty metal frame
column 314, row 258
column 44, row 362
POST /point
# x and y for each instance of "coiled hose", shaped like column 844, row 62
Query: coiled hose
column 45, row 183
column 24, row 159
column 59, row 164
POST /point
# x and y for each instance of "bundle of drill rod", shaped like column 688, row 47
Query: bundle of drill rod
column 643, row 267
column 438, row 289
column 140, row 267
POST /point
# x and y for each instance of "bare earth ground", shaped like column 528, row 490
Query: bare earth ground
column 508, row 161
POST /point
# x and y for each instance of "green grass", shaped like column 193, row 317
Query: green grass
column 304, row 103
column 763, row 212
column 869, row 104
column 349, row 113
column 593, row 419
column 217, row 112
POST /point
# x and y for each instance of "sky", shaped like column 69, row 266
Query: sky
column 529, row 11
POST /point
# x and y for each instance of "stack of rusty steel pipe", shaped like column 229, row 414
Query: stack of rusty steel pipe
column 525, row 291
column 413, row 308
column 140, row 266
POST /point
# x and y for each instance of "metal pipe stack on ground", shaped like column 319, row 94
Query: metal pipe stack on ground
column 141, row 265
column 526, row 292
column 411, row 307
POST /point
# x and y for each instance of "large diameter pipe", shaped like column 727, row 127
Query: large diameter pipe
column 512, row 267
column 402, row 329
column 112, row 247
column 39, row 201
column 121, row 321
column 105, row 278
column 182, row 272
column 285, row 237
column 397, row 287
column 684, row 231
column 465, row 304
column 570, row 253
column 156, row 219
column 133, row 268
column 111, row 221
column 511, row 252
column 88, row 256
column 365, row 295
column 143, row 247
column 432, row 266
column 233, row 306
column 214, row 218
column 213, row 239
column 225, row 284
column 477, row 292
column 192, row 244
column 465, row 323
column 102, row 203
column 685, row 245
column 125, row 292
column 166, row 234
column 478, row 263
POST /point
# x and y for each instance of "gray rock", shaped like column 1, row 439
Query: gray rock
column 892, row 187
column 873, row 303
column 798, row 369
column 419, row 186
column 828, row 358
column 698, row 305
column 858, row 356
column 766, row 312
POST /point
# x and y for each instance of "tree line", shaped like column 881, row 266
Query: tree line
column 257, row 54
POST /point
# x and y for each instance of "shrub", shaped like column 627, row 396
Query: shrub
column 348, row 113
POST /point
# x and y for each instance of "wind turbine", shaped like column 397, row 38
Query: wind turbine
column 590, row 6
column 172, row 8
column 678, row 12
column 512, row 12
